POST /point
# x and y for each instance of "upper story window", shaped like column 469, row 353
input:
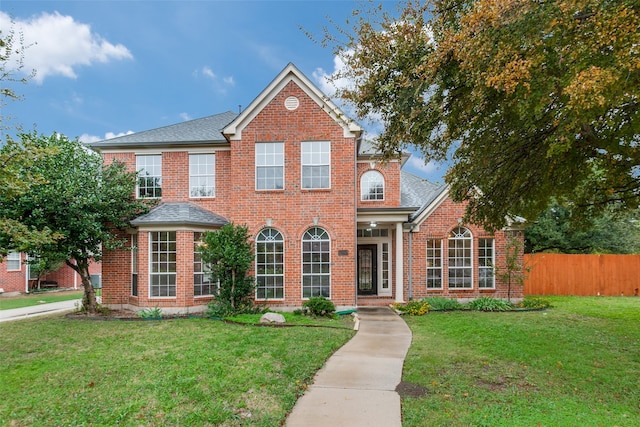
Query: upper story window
column 14, row 261
column 269, row 166
column 372, row 186
column 202, row 175
column 316, row 164
column 460, row 261
column 149, row 169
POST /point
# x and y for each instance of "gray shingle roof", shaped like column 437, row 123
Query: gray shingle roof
column 180, row 213
column 206, row 129
column 417, row 192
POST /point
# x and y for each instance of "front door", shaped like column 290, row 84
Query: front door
column 367, row 269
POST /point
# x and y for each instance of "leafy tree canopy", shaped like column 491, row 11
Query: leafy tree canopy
column 610, row 232
column 528, row 97
column 78, row 199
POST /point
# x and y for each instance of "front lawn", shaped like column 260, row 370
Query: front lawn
column 38, row 298
column 60, row 371
column 576, row 364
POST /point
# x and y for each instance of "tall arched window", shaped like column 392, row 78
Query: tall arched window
column 316, row 263
column 269, row 264
column 372, row 186
column 460, row 260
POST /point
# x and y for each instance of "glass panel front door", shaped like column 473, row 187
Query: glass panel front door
column 367, row 270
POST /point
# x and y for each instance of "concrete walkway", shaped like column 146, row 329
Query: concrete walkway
column 39, row 310
column 356, row 387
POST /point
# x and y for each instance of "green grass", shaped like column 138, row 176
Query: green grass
column 345, row 322
column 60, row 371
column 7, row 303
column 576, row 364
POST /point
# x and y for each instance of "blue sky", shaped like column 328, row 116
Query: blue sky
column 106, row 68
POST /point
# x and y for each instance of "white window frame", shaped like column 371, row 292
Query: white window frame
column 14, row 261
column 272, row 257
column 460, row 259
column 155, row 167
column 163, row 267
column 201, row 271
column 202, row 175
column 313, row 270
column 314, row 156
column 486, row 263
column 372, row 180
column 269, row 156
column 434, row 262
column 134, row 265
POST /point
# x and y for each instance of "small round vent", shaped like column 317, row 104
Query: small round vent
column 291, row 103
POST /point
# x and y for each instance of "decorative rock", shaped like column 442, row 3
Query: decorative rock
column 272, row 318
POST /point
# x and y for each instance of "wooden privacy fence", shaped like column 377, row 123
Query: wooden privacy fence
column 588, row 275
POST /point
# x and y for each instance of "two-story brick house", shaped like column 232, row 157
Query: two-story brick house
column 326, row 216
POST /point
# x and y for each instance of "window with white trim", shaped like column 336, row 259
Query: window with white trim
column 316, row 263
column 434, row 264
column 372, row 186
column 134, row 265
column 162, row 271
column 202, row 284
column 316, row 164
column 269, row 264
column 486, row 262
column 14, row 261
column 460, row 260
column 202, row 175
column 149, row 169
column 269, row 166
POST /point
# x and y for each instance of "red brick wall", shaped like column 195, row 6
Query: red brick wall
column 14, row 280
column 391, row 173
column 291, row 211
column 437, row 226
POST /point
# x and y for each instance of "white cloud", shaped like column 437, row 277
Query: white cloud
column 185, row 116
column 87, row 139
column 58, row 45
column 220, row 85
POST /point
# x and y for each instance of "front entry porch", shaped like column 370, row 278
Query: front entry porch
column 379, row 280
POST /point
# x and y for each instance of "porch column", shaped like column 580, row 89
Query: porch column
column 399, row 264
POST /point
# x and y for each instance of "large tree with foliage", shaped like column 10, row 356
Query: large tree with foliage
column 531, row 99
column 81, row 201
column 610, row 232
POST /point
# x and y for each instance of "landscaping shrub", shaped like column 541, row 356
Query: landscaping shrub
column 489, row 304
column 534, row 302
column 150, row 313
column 319, row 306
column 443, row 304
column 414, row 307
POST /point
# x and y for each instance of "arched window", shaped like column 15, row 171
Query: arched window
column 316, row 263
column 372, row 186
column 460, row 260
column 269, row 264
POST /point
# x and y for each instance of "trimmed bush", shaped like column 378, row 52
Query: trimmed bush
column 489, row 304
column 319, row 306
column 534, row 303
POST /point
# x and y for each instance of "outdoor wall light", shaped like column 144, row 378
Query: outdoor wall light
column 373, row 224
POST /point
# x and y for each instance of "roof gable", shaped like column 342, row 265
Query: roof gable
column 290, row 74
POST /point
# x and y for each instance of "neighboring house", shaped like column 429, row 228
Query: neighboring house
column 16, row 275
column 327, row 217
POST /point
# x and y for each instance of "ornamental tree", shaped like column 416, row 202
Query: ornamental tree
column 525, row 98
column 227, row 253
column 78, row 199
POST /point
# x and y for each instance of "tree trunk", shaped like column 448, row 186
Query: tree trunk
column 89, row 302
